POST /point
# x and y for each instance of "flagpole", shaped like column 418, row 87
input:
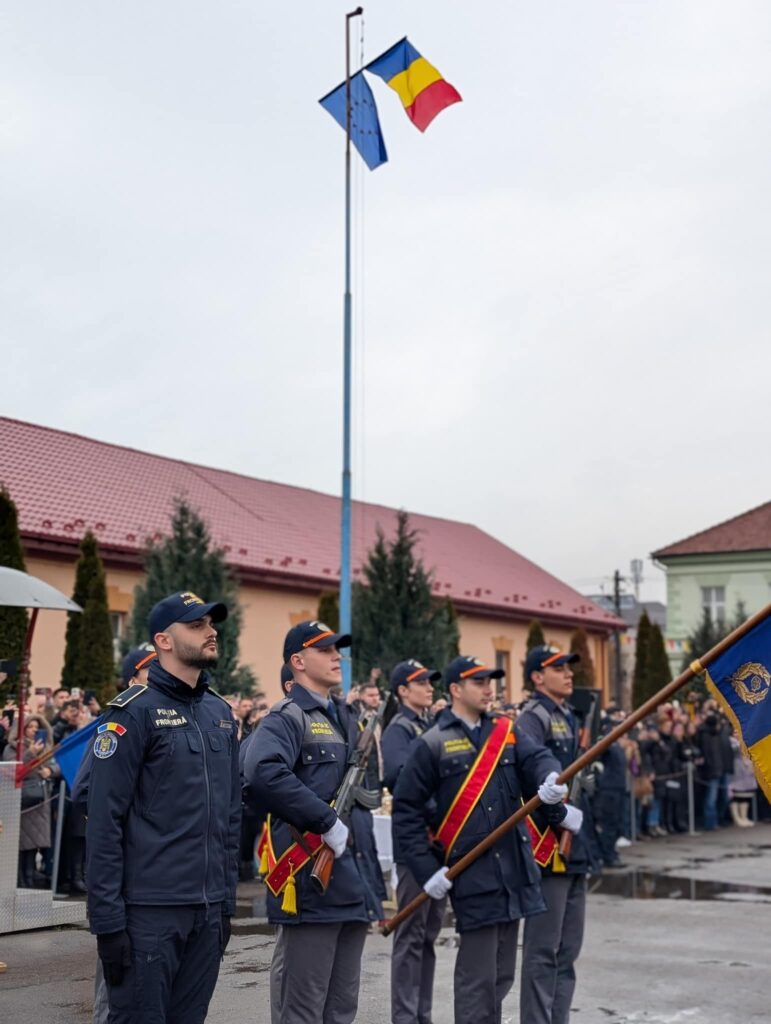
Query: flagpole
column 696, row 668
column 345, row 525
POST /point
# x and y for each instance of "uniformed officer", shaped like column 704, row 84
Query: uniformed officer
column 552, row 941
column 413, row 960
column 164, row 809
column 134, row 669
column 477, row 773
column 293, row 767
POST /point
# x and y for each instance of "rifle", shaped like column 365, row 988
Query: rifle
column 348, row 792
column 579, row 779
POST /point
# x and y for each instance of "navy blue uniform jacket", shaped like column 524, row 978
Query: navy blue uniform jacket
column 292, row 767
column 561, row 737
column 504, row 883
column 164, row 803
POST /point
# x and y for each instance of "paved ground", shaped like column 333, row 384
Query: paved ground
column 683, row 936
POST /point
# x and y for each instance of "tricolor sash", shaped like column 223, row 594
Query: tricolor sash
column 474, row 785
column 545, row 846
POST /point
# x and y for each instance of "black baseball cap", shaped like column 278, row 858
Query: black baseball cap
column 286, row 677
column 544, row 656
column 465, row 667
column 135, row 659
column 184, row 606
column 312, row 633
column 411, row 671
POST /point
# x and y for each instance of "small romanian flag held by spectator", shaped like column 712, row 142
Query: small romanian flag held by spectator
column 421, row 88
column 365, row 124
column 740, row 678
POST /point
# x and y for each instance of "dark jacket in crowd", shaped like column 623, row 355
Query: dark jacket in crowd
column 714, row 742
column 504, row 883
column 164, row 802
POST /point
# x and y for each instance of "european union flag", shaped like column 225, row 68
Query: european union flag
column 365, row 124
column 740, row 678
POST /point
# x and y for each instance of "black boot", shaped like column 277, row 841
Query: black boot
column 77, row 881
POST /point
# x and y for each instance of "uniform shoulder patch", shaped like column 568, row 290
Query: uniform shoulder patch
column 122, row 699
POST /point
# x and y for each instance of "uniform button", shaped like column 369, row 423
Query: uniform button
column 489, row 808
column 334, row 755
column 497, row 855
column 309, row 757
column 323, row 751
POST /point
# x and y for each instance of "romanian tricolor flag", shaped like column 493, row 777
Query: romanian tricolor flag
column 740, row 678
column 421, row 88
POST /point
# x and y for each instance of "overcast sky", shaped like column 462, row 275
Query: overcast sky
column 562, row 288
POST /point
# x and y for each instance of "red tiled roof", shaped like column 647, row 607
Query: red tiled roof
column 63, row 484
column 750, row 531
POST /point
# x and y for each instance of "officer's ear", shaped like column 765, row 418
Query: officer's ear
column 536, row 680
column 162, row 642
column 457, row 686
column 296, row 662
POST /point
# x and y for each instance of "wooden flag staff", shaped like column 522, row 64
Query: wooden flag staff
column 696, row 668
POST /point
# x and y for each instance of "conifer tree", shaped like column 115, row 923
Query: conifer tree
column 85, row 569
column 13, row 621
column 583, row 670
column 185, row 560
column 641, row 658
column 395, row 614
column 329, row 609
column 89, row 657
column 535, row 637
column 659, row 672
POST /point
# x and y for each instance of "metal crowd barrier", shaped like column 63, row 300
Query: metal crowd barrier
column 25, row 909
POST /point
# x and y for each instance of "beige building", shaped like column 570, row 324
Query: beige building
column 282, row 541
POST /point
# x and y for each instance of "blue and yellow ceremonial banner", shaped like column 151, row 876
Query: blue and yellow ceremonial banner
column 365, row 123
column 740, row 678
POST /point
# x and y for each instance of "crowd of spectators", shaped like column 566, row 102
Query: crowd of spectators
column 47, row 721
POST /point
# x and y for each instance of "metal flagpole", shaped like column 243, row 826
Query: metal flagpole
column 345, row 525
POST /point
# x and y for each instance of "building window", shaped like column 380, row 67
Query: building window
column 118, row 627
column 503, row 686
column 713, row 602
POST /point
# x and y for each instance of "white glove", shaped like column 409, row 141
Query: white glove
column 438, row 884
column 550, row 792
column 336, row 838
column 573, row 820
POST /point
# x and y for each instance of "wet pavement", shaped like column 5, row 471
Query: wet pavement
column 681, row 935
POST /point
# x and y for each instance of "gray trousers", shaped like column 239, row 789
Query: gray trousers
column 484, row 973
column 550, row 948
column 101, row 1006
column 320, row 972
column 413, row 959
column 276, row 967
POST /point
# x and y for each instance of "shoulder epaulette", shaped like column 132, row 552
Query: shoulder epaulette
column 214, row 693
column 280, row 704
column 122, row 699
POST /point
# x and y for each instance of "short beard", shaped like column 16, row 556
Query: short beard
column 193, row 658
